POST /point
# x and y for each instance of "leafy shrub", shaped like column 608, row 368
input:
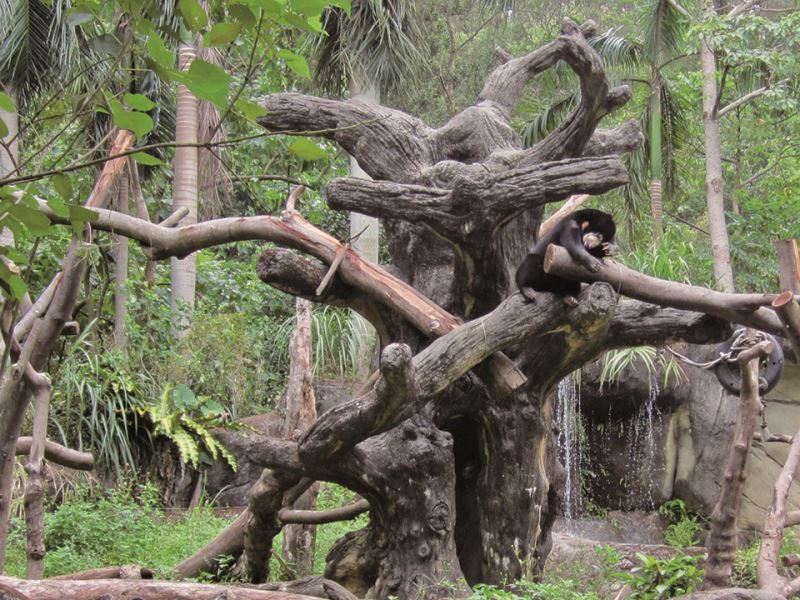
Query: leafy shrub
column 656, row 578
column 528, row 590
column 683, row 529
column 120, row 527
column 187, row 420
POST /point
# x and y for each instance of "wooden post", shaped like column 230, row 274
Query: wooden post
column 789, row 265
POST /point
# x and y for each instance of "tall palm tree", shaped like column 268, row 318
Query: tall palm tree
column 652, row 168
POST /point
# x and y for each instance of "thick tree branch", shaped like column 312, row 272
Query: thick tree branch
column 478, row 207
column 403, row 139
column 61, row 455
column 747, row 309
column 319, row 517
column 638, row 323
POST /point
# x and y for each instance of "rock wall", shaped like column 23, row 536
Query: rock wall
column 638, row 459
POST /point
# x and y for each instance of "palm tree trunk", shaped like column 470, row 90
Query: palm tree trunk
column 184, row 193
column 655, row 160
column 720, row 247
column 368, row 231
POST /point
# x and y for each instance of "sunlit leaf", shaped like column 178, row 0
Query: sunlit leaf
column 63, row 186
column 207, row 81
column 193, row 14
column 146, row 159
column 158, row 50
column 243, row 14
column 307, row 150
column 222, row 34
column 139, row 102
column 296, row 63
column 6, row 103
column 34, row 219
column 137, row 122
column 250, row 110
column 58, row 207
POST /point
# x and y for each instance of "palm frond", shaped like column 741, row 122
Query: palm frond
column 547, row 120
column 664, row 27
column 378, row 44
column 617, row 51
column 26, row 55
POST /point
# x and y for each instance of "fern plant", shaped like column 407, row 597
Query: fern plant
column 187, row 420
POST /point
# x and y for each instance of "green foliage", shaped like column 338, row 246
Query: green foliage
column 616, row 362
column 656, row 578
column 683, row 529
column 529, row 590
column 334, row 335
column 96, row 403
column 187, row 420
column 122, row 526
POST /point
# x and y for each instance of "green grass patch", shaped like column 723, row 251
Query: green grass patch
column 120, row 527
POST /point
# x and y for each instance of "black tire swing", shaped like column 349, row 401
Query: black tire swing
column 727, row 369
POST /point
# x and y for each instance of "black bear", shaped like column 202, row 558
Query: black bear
column 588, row 236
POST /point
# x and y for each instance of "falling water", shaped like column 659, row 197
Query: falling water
column 642, row 456
column 569, row 444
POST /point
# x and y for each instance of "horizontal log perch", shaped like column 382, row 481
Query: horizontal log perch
column 124, row 572
column 747, row 309
column 319, row 517
column 61, row 455
column 142, row 589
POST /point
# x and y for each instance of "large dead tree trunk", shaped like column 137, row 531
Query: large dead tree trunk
column 450, row 442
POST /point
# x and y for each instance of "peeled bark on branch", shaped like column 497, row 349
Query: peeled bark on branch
column 747, row 309
column 34, row 487
column 724, row 530
column 788, row 310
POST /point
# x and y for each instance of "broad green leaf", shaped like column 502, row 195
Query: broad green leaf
column 78, row 214
column 34, row 219
column 193, row 14
column 243, row 14
column 139, row 123
column 222, row 34
column 208, row 82
column 158, row 51
column 302, row 23
column 14, row 254
column 139, row 102
column 58, row 207
column 3, row 129
column 11, row 283
column 272, row 8
column 183, row 396
column 6, row 103
column 296, row 63
column 307, row 150
column 250, row 110
column 309, row 7
column 63, row 186
column 146, row 159
column 343, row 4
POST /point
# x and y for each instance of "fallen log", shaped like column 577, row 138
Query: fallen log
column 92, row 589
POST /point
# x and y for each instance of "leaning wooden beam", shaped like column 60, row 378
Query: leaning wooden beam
column 788, row 310
column 229, row 542
column 124, row 572
column 772, row 539
column 319, row 517
column 293, row 231
column 723, row 533
column 61, row 455
column 92, row 589
column 747, row 309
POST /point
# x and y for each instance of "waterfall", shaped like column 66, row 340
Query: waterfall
column 570, row 430
column 641, row 450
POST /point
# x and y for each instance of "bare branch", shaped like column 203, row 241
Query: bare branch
column 319, row 517
column 67, row 457
column 746, row 309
